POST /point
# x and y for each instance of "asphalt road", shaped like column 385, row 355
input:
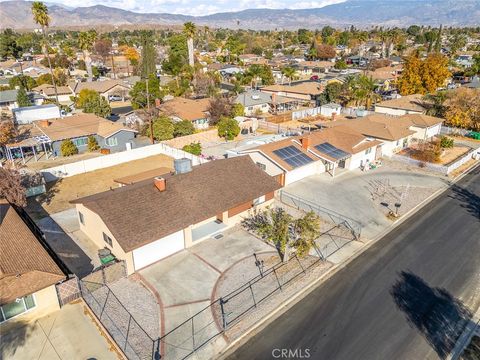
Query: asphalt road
column 407, row 297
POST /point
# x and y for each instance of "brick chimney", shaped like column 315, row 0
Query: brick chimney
column 44, row 123
column 305, row 141
column 160, row 183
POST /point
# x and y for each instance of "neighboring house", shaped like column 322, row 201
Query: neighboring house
column 249, row 59
column 258, row 102
column 298, row 157
column 425, row 127
column 154, row 218
column 307, row 68
column 410, row 104
column 79, row 127
column 8, row 99
column 393, row 135
column 308, row 91
column 29, row 269
column 465, row 60
column 104, row 88
column 48, row 91
column 179, row 109
column 29, row 114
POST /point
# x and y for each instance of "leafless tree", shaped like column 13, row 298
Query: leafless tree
column 11, row 187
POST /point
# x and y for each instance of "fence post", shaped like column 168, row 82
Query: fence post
column 299, row 263
column 104, row 304
column 253, row 295
column 128, row 331
column 224, row 319
column 278, row 281
column 193, row 335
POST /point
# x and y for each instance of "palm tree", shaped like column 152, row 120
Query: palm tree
column 289, row 73
column 41, row 17
column 86, row 39
column 365, row 90
column 189, row 30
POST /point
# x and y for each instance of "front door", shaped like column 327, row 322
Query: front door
column 378, row 152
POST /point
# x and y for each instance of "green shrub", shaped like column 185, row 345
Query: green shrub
column 68, row 148
column 194, row 148
column 183, row 128
column 446, row 142
column 163, row 128
column 228, row 128
column 92, row 143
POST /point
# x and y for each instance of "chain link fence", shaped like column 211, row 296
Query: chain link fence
column 213, row 320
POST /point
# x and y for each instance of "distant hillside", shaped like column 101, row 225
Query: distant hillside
column 361, row 13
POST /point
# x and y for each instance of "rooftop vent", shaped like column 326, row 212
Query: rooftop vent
column 182, row 166
column 255, row 97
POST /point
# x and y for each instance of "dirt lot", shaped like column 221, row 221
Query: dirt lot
column 453, row 153
column 59, row 193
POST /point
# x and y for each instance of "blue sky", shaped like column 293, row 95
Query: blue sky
column 199, row 7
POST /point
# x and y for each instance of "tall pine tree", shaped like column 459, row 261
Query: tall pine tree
column 22, row 98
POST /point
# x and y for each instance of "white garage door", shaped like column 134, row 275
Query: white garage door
column 158, row 250
column 302, row 172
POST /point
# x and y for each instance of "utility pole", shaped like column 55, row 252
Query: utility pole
column 149, row 114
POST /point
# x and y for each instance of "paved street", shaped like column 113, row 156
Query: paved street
column 404, row 298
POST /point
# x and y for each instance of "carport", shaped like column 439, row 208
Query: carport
column 36, row 144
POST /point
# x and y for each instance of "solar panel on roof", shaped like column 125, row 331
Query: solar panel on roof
column 330, row 150
column 293, row 156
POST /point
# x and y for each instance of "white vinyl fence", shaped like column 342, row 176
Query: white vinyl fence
column 443, row 169
column 84, row 166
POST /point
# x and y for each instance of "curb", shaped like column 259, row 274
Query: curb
column 465, row 337
column 332, row 271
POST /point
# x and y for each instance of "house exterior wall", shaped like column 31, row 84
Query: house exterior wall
column 395, row 112
column 94, row 227
column 254, row 109
column 122, row 138
column 302, row 172
column 361, row 158
column 270, row 168
column 46, row 301
column 116, row 90
column 391, row 147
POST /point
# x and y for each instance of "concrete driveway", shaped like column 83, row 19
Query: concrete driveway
column 68, row 333
column 186, row 281
column 350, row 194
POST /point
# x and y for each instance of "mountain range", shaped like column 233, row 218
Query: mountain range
column 360, row 13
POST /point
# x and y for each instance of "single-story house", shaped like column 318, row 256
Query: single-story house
column 78, row 128
column 308, row 91
column 393, row 135
column 29, row 269
column 258, row 102
column 29, row 114
column 410, row 104
column 425, row 127
column 8, row 99
column 179, row 109
column 48, row 91
column 105, row 88
column 298, row 157
column 307, row 68
column 154, row 218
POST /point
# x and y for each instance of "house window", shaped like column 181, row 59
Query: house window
column 262, row 166
column 107, row 239
column 80, row 141
column 398, row 142
column 259, row 200
column 17, row 307
column 368, row 151
column 81, row 218
column 111, row 141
